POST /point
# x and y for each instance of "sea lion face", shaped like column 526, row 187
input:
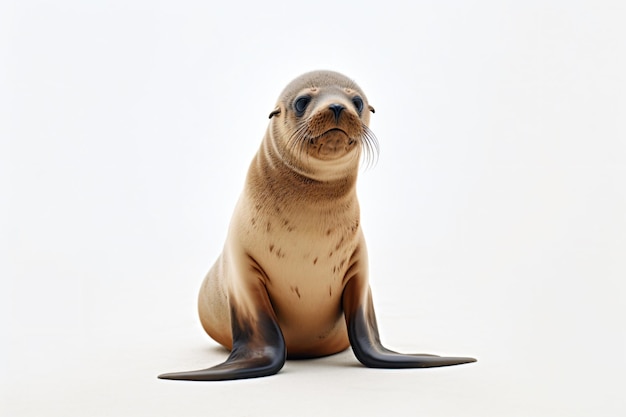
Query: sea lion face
column 322, row 116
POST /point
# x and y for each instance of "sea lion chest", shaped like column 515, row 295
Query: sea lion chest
column 304, row 250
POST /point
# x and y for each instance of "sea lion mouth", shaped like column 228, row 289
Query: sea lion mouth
column 331, row 144
column 336, row 131
column 324, row 138
column 334, row 143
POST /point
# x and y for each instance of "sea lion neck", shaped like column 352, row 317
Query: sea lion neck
column 273, row 174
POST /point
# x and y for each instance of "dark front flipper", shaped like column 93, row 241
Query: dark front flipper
column 258, row 346
column 365, row 341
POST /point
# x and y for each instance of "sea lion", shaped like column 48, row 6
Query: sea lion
column 292, row 280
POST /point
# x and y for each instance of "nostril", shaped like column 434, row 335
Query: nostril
column 337, row 109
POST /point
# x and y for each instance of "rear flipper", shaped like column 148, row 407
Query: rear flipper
column 258, row 346
column 365, row 340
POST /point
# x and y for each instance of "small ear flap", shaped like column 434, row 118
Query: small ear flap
column 275, row 112
column 371, row 108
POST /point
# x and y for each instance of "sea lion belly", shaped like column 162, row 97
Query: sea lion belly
column 304, row 254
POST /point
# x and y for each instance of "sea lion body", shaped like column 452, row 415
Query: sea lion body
column 292, row 279
column 303, row 260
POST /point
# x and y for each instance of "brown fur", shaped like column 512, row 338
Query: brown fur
column 296, row 226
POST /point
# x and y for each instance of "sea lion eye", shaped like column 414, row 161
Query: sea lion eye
column 358, row 103
column 300, row 104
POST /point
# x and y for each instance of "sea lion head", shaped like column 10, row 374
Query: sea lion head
column 321, row 121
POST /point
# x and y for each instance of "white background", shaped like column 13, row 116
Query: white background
column 495, row 217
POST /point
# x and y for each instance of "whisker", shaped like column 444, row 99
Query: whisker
column 371, row 149
column 298, row 143
column 297, row 140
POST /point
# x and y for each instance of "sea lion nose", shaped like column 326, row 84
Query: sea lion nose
column 337, row 109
